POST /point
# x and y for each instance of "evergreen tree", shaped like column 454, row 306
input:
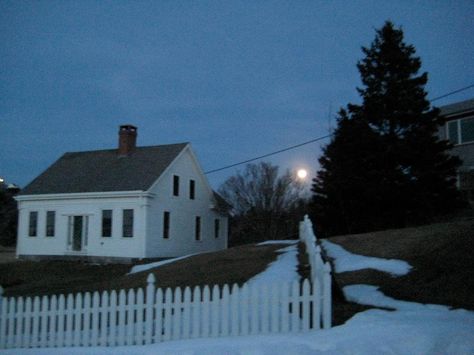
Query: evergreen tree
column 385, row 165
column 347, row 186
column 8, row 217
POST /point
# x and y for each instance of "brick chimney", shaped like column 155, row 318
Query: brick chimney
column 127, row 139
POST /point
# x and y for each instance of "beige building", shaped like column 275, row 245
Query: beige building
column 459, row 129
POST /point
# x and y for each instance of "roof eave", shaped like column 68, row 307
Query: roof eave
column 84, row 195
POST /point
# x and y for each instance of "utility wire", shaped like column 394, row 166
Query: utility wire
column 270, row 154
column 452, row 92
column 316, row 139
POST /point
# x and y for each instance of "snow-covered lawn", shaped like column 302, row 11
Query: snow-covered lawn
column 412, row 328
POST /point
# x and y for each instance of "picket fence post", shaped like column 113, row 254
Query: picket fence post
column 44, row 321
column 121, row 318
column 130, row 312
column 176, row 319
column 327, row 309
column 158, row 321
column 305, row 300
column 113, row 318
column 150, row 301
column 52, row 321
column 206, row 307
column 215, row 313
column 301, row 231
column 139, row 308
column 187, row 313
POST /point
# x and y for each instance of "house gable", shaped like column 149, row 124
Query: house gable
column 183, row 210
column 197, row 173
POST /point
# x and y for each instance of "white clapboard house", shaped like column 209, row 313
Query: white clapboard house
column 121, row 204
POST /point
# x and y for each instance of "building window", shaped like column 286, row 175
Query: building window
column 467, row 130
column 192, row 189
column 453, row 134
column 461, row 131
column 175, row 185
column 127, row 223
column 50, row 223
column 197, row 229
column 107, row 223
column 166, row 225
column 33, row 225
column 216, row 228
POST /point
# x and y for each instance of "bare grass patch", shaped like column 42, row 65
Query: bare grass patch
column 234, row 265
column 440, row 254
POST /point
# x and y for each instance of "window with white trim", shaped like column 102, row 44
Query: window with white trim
column 175, row 185
column 106, row 223
column 50, row 223
column 166, row 225
column 127, row 223
column 216, row 228
column 33, row 224
column 460, row 131
column 192, row 189
column 197, row 228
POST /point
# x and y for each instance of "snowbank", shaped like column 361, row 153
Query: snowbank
column 370, row 295
column 346, row 261
column 369, row 332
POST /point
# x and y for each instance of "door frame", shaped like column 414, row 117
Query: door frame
column 72, row 220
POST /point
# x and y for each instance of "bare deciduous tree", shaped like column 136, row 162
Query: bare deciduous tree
column 264, row 203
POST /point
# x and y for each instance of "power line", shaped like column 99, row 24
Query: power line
column 269, row 154
column 452, row 92
column 317, row 139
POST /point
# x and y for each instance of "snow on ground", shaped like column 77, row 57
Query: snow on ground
column 144, row 267
column 411, row 329
column 346, row 261
column 369, row 332
column 370, row 295
column 284, row 268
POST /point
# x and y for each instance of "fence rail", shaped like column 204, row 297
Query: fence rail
column 151, row 315
column 320, row 271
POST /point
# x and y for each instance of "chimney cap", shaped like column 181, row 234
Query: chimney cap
column 128, row 127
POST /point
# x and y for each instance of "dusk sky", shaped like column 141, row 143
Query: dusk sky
column 237, row 79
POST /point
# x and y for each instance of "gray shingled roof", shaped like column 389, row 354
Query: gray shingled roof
column 457, row 108
column 104, row 170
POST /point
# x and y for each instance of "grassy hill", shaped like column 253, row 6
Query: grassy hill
column 234, row 265
column 442, row 257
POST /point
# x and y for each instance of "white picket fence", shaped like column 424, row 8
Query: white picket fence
column 137, row 317
column 320, row 271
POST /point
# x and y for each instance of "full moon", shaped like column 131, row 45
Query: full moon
column 302, row 173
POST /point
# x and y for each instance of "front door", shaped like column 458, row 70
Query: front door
column 77, row 233
column 78, row 227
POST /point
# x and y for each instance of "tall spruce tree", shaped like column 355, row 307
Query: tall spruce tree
column 385, row 166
